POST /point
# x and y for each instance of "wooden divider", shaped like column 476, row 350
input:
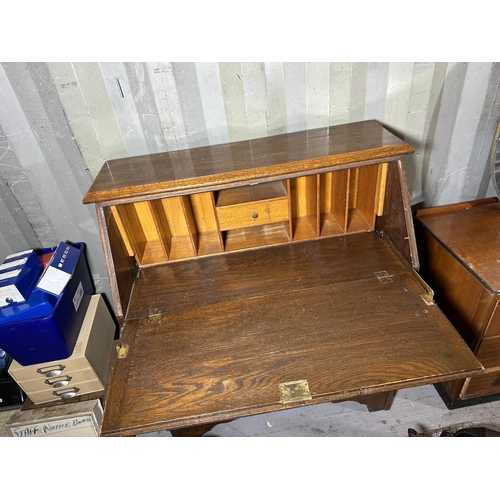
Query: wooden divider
column 308, row 207
column 209, row 235
column 305, row 207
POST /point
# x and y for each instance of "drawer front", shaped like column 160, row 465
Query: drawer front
column 489, row 383
column 489, row 353
column 493, row 328
column 252, row 214
column 481, row 385
column 66, row 393
column 66, row 379
column 44, row 371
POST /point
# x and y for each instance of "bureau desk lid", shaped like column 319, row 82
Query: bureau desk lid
column 208, row 167
column 343, row 316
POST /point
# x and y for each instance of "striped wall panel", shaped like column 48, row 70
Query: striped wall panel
column 60, row 121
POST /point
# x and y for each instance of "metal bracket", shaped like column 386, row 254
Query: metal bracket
column 154, row 316
column 122, row 350
column 383, row 276
column 292, row 392
column 428, row 296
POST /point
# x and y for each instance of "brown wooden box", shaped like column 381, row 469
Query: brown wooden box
column 260, row 275
column 459, row 248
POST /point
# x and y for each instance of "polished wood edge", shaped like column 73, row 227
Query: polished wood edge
column 110, row 266
column 453, row 208
column 243, row 177
column 412, row 242
column 245, row 412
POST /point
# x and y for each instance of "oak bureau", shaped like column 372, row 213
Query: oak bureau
column 265, row 274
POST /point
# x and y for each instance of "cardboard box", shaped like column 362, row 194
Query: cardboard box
column 83, row 372
column 72, row 420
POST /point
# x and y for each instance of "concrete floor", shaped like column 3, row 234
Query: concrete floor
column 419, row 408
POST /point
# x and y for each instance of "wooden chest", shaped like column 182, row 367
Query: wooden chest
column 459, row 248
column 260, row 275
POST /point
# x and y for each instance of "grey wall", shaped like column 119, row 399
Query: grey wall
column 60, row 121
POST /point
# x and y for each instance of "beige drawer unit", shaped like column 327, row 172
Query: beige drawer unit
column 85, row 371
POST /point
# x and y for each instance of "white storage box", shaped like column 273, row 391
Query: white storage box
column 71, row 420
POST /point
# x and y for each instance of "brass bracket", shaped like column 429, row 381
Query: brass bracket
column 154, row 315
column 293, row 392
column 122, row 350
column 428, row 296
column 383, row 276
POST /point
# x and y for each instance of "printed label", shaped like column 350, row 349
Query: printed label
column 10, row 274
column 9, row 294
column 77, row 298
column 13, row 263
column 18, row 254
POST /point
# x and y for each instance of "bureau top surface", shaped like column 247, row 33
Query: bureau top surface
column 210, row 167
column 471, row 232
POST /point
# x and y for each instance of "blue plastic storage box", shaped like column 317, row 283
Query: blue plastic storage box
column 45, row 327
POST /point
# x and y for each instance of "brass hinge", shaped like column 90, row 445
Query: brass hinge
column 154, row 316
column 428, row 296
column 122, row 350
column 292, row 392
column 383, row 276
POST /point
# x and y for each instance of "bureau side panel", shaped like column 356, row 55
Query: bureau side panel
column 120, row 265
column 396, row 222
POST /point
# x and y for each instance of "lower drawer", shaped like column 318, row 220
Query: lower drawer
column 489, row 383
column 66, row 393
column 481, row 385
column 489, row 353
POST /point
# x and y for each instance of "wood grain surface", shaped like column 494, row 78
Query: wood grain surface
column 471, row 232
column 207, row 167
column 223, row 358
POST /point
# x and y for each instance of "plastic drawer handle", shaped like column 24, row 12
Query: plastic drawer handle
column 51, row 371
column 66, row 393
column 59, row 381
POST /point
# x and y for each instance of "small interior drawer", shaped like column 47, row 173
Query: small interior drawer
column 252, row 214
column 250, row 206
